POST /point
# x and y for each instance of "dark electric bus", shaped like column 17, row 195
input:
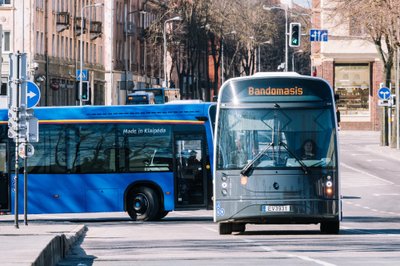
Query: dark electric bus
column 276, row 153
column 114, row 158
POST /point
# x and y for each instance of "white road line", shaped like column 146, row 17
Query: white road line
column 366, row 173
column 209, row 228
column 386, row 194
column 305, row 258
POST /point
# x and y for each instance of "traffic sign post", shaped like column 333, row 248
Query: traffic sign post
column 84, row 76
column 32, row 94
column 384, row 93
column 318, row 35
column 22, row 124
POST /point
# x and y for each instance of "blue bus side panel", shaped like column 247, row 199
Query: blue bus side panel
column 63, row 193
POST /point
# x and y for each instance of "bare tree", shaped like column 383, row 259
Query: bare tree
column 380, row 20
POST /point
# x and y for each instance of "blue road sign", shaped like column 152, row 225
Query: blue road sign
column 85, row 76
column 384, row 93
column 318, row 35
column 32, row 94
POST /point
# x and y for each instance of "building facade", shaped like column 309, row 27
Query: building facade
column 350, row 63
column 114, row 52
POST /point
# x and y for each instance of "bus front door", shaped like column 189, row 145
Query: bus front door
column 4, row 180
column 190, row 173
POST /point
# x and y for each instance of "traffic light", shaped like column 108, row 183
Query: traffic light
column 295, row 34
column 85, row 91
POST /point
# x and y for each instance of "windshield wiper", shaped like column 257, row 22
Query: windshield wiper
column 246, row 169
column 303, row 166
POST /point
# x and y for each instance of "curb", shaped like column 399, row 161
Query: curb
column 59, row 246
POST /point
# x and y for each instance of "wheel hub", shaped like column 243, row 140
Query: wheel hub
column 140, row 203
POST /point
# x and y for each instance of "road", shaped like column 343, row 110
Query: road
column 370, row 230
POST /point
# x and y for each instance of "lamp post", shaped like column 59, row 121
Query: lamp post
column 81, row 50
column 259, row 53
column 165, row 47
column 286, row 31
column 297, row 52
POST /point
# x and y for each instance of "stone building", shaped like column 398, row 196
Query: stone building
column 350, row 63
column 114, row 53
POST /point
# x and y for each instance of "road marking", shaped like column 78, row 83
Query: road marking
column 366, row 173
column 375, row 160
column 305, row 258
column 386, row 194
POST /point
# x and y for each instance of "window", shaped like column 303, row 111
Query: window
column 5, row 2
column 102, row 149
column 248, row 134
column 3, row 90
column 6, row 41
column 53, row 42
column 352, row 83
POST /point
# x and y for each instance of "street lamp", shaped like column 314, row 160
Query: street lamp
column 81, row 49
column 286, row 30
column 259, row 53
column 177, row 18
column 297, row 52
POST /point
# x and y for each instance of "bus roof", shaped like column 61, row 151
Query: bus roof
column 276, row 74
column 275, row 87
column 184, row 111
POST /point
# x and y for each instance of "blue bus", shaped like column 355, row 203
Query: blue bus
column 276, row 153
column 146, row 160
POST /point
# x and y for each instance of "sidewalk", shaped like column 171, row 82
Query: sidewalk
column 36, row 244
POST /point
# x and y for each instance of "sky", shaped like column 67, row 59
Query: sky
column 305, row 3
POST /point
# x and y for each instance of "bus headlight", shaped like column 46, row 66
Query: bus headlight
column 243, row 180
column 224, row 192
column 329, row 186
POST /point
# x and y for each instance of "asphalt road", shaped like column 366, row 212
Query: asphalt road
column 370, row 230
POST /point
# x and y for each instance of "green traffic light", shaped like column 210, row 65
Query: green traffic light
column 295, row 34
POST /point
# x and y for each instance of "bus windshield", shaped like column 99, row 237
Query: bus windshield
column 276, row 137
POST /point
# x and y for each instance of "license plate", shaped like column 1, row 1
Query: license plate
column 276, row 208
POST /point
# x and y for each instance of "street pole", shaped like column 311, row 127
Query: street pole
column 286, row 39
column 81, row 49
column 165, row 48
column 222, row 62
column 397, row 99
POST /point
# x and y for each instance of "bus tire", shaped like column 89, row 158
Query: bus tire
column 143, row 204
column 225, row 228
column 162, row 214
column 238, row 227
column 330, row 227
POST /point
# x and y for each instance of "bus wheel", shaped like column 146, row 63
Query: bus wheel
column 162, row 214
column 238, row 227
column 225, row 228
column 143, row 204
column 330, row 227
